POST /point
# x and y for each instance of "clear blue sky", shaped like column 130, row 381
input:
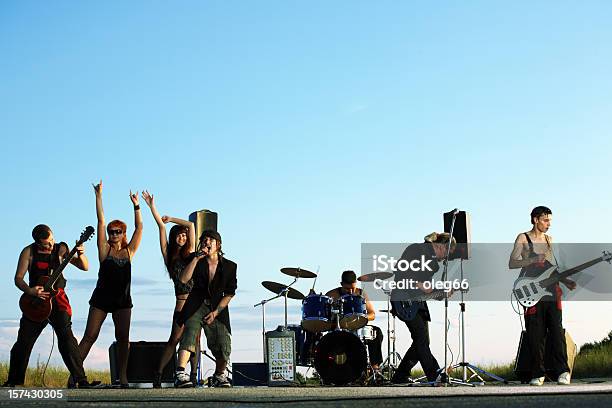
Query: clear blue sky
column 310, row 127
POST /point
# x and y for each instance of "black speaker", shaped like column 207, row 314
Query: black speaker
column 203, row 220
column 142, row 362
column 461, row 232
column 249, row 374
column 522, row 363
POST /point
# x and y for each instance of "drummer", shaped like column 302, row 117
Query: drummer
column 349, row 287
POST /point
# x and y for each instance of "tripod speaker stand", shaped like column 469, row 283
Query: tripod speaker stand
column 461, row 221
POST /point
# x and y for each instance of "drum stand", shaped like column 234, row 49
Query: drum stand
column 282, row 294
column 375, row 375
column 393, row 356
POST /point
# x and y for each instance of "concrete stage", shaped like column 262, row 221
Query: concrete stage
column 582, row 393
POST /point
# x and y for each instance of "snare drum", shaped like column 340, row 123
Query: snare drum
column 353, row 313
column 316, row 313
column 366, row 333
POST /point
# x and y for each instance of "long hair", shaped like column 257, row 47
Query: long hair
column 214, row 235
column 174, row 251
column 118, row 224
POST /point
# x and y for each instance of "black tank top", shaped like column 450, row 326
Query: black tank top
column 534, row 270
column 341, row 291
column 180, row 288
column 115, row 277
column 43, row 264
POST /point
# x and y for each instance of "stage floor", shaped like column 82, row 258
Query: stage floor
column 596, row 392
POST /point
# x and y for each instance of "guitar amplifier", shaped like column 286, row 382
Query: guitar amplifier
column 522, row 366
column 142, row 362
column 280, row 349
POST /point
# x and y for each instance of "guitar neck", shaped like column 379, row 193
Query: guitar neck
column 556, row 278
column 56, row 273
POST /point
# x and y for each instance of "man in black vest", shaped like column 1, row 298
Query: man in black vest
column 533, row 254
column 214, row 285
column 39, row 259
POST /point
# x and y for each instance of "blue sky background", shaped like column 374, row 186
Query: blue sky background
column 310, row 127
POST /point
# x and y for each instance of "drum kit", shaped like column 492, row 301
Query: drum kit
column 332, row 334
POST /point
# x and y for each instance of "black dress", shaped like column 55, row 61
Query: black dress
column 112, row 291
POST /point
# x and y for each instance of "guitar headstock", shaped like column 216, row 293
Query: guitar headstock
column 86, row 235
column 607, row 256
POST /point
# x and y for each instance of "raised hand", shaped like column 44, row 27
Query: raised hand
column 166, row 219
column 134, row 198
column 148, row 198
column 98, row 188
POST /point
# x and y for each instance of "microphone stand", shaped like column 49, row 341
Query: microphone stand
column 263, row 323
column 283, row 293
column 446, row 379
column 474, row 370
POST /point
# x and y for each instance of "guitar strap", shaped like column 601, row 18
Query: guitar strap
column 557, row 289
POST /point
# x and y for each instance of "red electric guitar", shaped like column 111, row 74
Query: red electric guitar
column 37, row 309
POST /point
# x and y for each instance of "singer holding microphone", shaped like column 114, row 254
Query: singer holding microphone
column 214, row 285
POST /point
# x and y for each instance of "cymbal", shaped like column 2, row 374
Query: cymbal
column 298, row 273
column 384, row 310
column 279, row 287
column 370, row 277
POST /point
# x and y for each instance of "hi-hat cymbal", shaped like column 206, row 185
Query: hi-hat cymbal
column 279, row 287
column 298, row 273
column 370, row 277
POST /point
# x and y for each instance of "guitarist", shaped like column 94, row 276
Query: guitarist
column 434, row 250
column 533, row 254
column 39, row 259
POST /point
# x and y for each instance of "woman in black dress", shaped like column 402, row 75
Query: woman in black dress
column 112, row 292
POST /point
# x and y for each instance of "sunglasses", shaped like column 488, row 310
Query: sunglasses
column 115, row 232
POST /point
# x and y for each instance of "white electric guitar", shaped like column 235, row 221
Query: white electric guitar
column 529, row 291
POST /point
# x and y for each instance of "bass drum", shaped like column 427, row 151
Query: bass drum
column 340, row 358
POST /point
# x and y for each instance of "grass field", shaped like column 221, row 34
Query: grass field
column 593, row 360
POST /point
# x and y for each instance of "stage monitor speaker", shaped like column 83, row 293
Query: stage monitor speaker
column 249, row 374
column 142, row 362
column 522, row 364
column 203, row 220
column 461, row 232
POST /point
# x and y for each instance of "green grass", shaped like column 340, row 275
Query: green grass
column 593, row 361
column 54, row 376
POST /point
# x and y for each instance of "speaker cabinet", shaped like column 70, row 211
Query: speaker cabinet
column 142, row 362
column 203, row 220
column 461, row 232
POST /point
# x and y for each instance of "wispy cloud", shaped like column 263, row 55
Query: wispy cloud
column 355, row 108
